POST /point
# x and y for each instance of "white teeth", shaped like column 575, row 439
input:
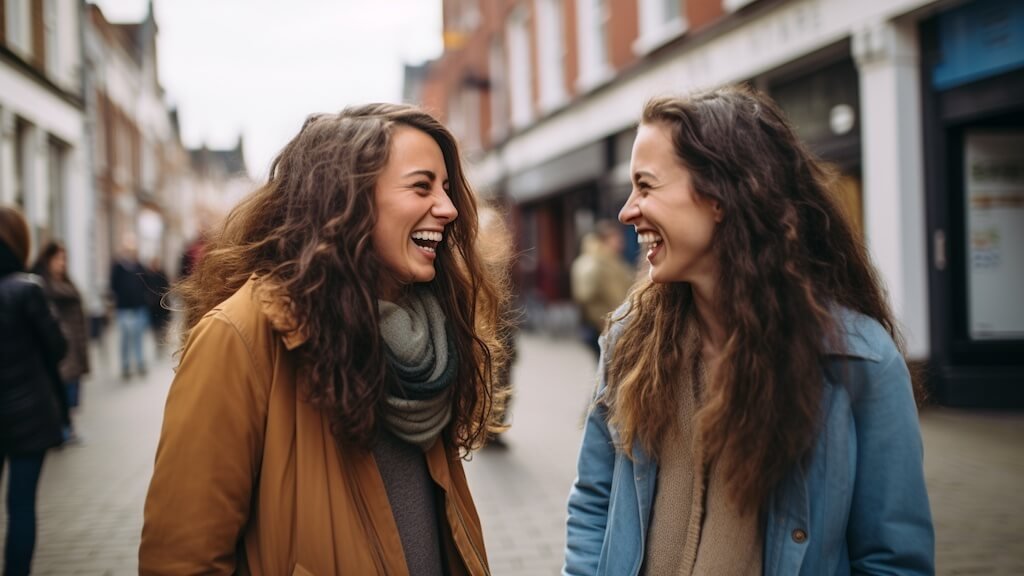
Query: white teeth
column 428, row 235
column 648, row 238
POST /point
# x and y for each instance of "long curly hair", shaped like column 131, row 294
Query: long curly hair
column 786, row 255
column 306, row 236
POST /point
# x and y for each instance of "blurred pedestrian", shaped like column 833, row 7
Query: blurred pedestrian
column 753, row 393
column 341, row 339
column 31, row 419
column 52, row 266
column 601, row 278
column 191, row 255
column 127, row 282
column 157, row 287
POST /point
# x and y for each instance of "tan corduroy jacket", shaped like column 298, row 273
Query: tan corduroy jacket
column 249, row 479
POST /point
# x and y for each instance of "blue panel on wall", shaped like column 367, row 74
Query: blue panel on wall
column 980, row 39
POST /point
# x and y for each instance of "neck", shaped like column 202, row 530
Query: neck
column 706, row 305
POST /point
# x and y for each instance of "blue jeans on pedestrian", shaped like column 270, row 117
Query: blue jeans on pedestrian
column 21, row 511
column 132, row 323
column 73, row 389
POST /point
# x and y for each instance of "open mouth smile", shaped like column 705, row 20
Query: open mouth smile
column 427, row 241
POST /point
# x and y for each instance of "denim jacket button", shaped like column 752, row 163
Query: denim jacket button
column 799, row 536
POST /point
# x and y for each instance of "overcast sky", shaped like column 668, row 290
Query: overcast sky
column 258, row 67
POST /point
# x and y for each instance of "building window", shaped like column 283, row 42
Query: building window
column 734, row 5
column 19, row 26
column 56, row 160
column 594, row 17
column 22, row 147
column 551, row 46
column 461, row 19
column 499, row 90
column 660, row 22
column 520, row 73
column 464, row 118
column 51, row 37
column 149, row 159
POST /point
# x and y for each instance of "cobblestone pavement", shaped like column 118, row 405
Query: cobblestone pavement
column 91, row 495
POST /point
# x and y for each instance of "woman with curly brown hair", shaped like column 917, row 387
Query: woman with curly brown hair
column 342, row 333
column 754, row 413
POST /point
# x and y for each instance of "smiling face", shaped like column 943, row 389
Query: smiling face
column 413, row 209
column 670, row 219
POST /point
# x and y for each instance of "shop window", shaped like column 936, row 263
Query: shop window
column 56, row 159
column 22, row 148
column 994, row 225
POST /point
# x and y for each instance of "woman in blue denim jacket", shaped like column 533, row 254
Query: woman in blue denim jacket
column 754, row 414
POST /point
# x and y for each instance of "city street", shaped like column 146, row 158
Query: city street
column 91, row 495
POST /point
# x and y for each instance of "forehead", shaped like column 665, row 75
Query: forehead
column 653, row 145
column 411, row 146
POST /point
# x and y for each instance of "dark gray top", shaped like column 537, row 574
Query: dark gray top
column 413, row 499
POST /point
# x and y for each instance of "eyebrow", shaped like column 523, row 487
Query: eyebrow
column 430, row 175
column 643, row 173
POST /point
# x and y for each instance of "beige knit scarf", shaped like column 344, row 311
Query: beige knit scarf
column 695, row 529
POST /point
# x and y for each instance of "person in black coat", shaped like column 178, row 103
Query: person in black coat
column 32, row 405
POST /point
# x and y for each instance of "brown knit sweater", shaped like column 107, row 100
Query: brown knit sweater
column 695, row 529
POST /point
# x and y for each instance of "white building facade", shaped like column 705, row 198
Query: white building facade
column 43, row 147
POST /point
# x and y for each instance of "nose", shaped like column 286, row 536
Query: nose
column 444, row 209
column 630, row 210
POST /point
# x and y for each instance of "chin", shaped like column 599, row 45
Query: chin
column 656, row 277
column 422, row 276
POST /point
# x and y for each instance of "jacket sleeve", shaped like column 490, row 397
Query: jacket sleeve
column 590, row 494
column 208, row 458
column 890, row 528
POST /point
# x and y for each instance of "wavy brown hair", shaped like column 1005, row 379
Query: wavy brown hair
column 786, row 255
column 306, row 235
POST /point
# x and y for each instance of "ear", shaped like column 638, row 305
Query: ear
column 716, row 207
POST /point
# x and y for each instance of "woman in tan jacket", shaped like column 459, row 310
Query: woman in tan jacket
column 342, row 331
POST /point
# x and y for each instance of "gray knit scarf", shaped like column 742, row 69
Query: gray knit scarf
column 423, row 361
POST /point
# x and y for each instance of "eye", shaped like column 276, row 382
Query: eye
column 422, row 186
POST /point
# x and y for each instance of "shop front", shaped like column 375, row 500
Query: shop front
column 973, row 75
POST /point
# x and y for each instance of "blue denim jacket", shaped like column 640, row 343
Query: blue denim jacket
column 859, row 505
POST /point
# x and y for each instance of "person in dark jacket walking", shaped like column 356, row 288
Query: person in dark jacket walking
column 127, row 283
column 51, row 266
column 31, row 347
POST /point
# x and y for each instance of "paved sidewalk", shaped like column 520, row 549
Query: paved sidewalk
column 91, row 495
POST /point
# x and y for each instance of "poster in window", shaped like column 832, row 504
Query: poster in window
column 994, row 196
